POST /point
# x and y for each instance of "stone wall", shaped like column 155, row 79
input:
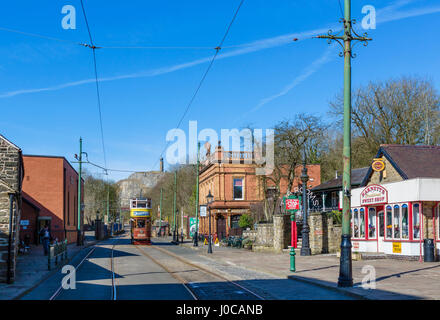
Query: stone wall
column 264, row 238
column 250, row 234
column 325, row 236
column 281, row 230
column 10, row 183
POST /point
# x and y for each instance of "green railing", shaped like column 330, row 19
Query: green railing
column 57, row 251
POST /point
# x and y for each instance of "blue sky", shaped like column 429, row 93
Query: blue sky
column 144, row 91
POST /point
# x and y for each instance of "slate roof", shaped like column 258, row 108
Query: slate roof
column 357, row 176
column 411, row 161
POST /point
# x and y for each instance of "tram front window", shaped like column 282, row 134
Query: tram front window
column 140, row 224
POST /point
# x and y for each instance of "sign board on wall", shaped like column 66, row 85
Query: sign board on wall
column 355, row 245
column 378, row 165
column 203, row 211
column 397, row 247
column 374, row 194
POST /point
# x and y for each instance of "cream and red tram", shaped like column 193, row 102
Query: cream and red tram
column 140, row 220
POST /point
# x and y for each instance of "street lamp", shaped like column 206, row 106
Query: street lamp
column 305, row 247
column 176, row 228
column 209, row 199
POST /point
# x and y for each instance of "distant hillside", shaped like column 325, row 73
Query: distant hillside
column 131, row 187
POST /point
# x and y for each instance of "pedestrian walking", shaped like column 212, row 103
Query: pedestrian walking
column 45, row 236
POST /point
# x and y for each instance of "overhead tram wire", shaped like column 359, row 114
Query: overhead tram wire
column 217, row 49
column 93, row 47
column 152, row 47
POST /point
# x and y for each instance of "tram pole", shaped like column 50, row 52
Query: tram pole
column 196, row 233
column 78, row 238
column 174, row 206
column 160, row 213
column 345, row 40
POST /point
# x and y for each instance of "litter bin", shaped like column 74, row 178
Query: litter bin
column 428, row 249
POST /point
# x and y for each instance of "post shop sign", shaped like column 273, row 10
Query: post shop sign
column 292, row 204
column 374, row 194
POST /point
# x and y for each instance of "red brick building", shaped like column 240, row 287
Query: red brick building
column 232, row 180
column 50, row 196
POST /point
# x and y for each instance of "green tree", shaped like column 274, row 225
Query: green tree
column 245, row 221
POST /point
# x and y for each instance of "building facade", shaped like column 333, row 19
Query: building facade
column 50, row 192
column 397, row 205
column 329, row 193
column 11, row 177
column 231, row 178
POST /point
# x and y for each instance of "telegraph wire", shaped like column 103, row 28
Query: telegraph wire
column 217, row 49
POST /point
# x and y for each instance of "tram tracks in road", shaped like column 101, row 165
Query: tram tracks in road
column 190, row 285
column 87, row 257
column 172, row 273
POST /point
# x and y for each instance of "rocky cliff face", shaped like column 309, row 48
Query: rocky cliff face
column 140, row 181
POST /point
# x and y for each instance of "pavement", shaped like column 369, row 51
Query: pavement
column 31, row 269
column 394, row 279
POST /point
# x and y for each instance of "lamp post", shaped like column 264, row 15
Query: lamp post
column 176, row 227
column 160, row 214
column 209, row 199
column 196, row 233
column 305, row 247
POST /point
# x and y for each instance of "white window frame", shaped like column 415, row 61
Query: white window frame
column 375, row 223
column 242, row 188
column 420, row 220
column 386, row 221
column 437, row 221
column 393, row 221
column 401, row 221
column 356, row 213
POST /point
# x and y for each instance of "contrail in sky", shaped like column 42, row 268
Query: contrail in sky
column 386, row 14
column 383, row 15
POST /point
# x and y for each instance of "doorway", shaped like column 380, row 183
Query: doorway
column 41, row 223
column 381, row 234
column 221, row 227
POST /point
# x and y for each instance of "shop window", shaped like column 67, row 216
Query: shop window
column 238, row 189
column 372, row 223
column 362, row 223
column 416, row 221
column 405, row 223
column 396, row 222
column 234, row 221
column 389, row 222
column 356, row 224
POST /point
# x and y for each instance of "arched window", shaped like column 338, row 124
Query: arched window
column 405, row 222
column 416, row 221
column 362, row 223
column 389, row 222
column 356, row 224
column 396, row 222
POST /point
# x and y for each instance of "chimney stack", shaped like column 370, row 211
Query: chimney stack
column 161, row 164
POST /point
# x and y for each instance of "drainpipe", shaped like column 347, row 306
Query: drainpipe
column 11, row 211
